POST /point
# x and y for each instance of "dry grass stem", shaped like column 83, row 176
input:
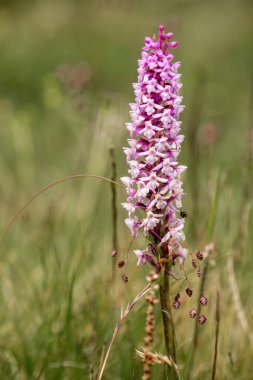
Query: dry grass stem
column 114, row 208
column 208, row 248
column 243, row 230
column 102, row 357
column 194, row 121
column 217, row 328
column 123, row 316
column 91, row 372
column 196, row 327
column 237, row 299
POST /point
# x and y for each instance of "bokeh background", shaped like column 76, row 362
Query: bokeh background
column 66, row 69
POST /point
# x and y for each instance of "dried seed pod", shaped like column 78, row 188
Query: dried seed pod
column 176, row 304
column 199, row 272
column 189, row 292
column 151, row 299
column 147, row 340
column 152, row 276
column 177, row 296
column 203, row 300
column 199, row 255
column 194, row 263
column 202, row 319
column 121, row 264
column 193, row 313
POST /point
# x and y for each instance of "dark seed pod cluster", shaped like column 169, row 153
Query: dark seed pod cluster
column 200, row 256
column 125, row 278
column 189, row 292
column 121, row 263
column 183, row 214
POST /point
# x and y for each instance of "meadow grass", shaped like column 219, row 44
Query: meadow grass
column 59, row 305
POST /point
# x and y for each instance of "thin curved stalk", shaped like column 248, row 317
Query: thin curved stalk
column 217, row 329
column 43, row 190
column 124, row 314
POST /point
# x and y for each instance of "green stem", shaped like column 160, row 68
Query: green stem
column 168, row 325
column 114, row 209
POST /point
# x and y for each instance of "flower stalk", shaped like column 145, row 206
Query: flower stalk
column 168, row 324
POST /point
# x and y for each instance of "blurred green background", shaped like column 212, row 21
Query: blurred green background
column 66, row 69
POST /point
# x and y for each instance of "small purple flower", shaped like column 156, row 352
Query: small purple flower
column 154, row 185
column 143, row 257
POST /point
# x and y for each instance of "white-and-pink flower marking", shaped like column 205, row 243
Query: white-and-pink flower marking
column 154, row 187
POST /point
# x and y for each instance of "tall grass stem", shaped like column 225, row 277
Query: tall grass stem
column 217, row 329
column 114, row 207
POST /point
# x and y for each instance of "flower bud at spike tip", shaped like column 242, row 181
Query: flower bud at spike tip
column 154, row 186
column 173, row 44
column 169, row 35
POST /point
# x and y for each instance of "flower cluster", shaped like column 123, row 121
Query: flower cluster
column 154, row 186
